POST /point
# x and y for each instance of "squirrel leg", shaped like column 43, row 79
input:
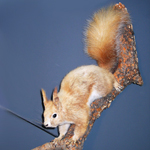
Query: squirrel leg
column 79, row 131
column 62, row 131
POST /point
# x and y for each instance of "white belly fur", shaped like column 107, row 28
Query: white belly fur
column 94, row 95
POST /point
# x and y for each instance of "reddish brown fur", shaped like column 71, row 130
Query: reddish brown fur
column 102, row 36
column 82, row 86
column 72, row 104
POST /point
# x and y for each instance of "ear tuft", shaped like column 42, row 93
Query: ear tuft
column 56, row 100
column 55, row 93
column 44, row 96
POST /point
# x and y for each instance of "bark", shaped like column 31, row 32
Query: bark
column 126, row 73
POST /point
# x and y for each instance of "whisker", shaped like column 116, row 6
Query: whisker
column 37, row 121
column 31, row 122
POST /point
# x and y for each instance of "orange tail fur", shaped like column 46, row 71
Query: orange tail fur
column 103, row 36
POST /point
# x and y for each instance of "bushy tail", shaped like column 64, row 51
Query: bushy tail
column 102, row 36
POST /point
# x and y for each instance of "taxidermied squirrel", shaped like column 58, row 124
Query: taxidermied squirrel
column 83, row 85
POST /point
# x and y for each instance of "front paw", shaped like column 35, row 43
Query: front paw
column 70, row 141
column 74, row 139
column 56, row 140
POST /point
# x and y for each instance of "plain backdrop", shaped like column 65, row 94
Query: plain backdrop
column 40, row 42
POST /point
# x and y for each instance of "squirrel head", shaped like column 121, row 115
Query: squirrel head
column 53, row 110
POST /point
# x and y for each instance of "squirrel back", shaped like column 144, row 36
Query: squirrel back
column 102, row 36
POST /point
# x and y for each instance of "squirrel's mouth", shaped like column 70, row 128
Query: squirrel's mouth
column 49, row 125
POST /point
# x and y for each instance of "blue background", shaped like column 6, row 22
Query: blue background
column 40, row 42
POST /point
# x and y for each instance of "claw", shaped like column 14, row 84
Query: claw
column 117, row 86
column 56, row 140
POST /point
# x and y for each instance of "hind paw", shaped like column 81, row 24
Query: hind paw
column 118, row 87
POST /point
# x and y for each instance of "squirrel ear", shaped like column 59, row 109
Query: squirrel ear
column 55, row 93
column 44, row 96
column 56, row 101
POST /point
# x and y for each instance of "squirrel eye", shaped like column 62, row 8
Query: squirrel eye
column 54, row 115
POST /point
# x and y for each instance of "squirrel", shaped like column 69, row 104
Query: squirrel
column 83, row 85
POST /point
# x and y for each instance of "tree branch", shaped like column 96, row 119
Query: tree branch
column 126, row 73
